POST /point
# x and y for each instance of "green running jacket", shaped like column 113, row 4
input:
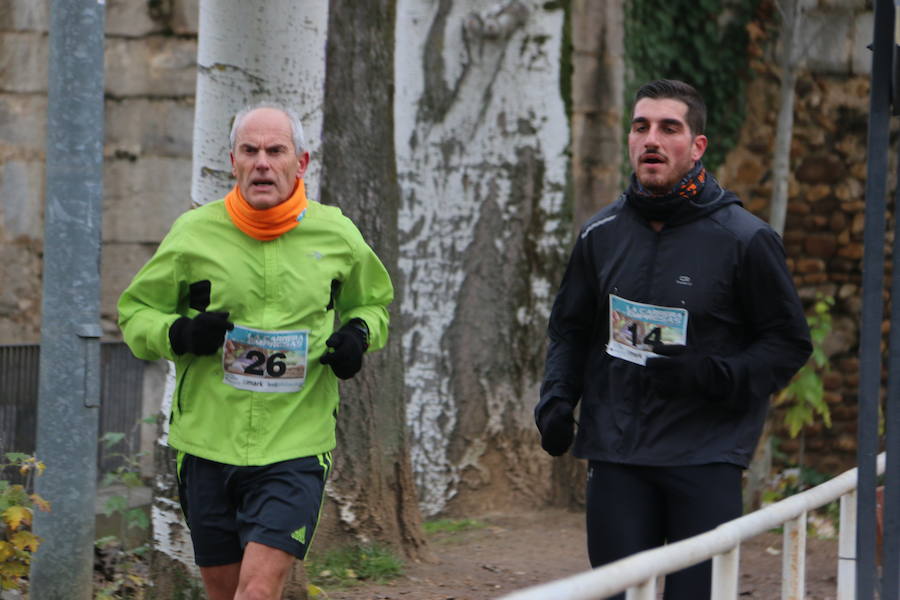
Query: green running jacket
column 294, row 282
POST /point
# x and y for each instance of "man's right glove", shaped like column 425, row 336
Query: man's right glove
column 202, row 335
column 557, row 426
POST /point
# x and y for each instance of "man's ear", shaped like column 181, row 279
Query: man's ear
column 303, row 163
column 231, row 156
column 699, row 147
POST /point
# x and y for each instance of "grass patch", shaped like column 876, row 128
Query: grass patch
column 451, row 525
column 348, row 566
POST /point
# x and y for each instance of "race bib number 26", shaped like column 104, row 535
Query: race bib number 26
column 265, row 361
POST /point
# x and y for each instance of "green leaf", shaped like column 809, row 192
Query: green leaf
column 112, row 438
column 115, row 504
column 131, row 479
column 106, row 540
column 137, row 518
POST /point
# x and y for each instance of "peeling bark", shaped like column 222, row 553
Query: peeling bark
column 482, row 136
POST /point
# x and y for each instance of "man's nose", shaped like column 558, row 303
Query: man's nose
column 262, row 162
column 652, row 138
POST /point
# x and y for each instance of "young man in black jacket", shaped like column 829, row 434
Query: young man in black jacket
column 675, row 321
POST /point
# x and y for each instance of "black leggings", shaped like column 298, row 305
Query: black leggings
column 634, row 508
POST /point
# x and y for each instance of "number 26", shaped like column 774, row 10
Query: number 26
column 273, row 366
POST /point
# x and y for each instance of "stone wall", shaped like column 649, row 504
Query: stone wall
column 824, row 228
column 150, row 61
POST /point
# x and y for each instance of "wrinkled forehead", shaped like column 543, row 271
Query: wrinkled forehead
column 265, row 125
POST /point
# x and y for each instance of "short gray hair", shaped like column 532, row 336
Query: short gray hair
column 293, row 117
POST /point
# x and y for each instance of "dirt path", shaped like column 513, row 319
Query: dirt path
column 515, row 551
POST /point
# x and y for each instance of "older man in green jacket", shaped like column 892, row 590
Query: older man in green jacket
column 242, row 295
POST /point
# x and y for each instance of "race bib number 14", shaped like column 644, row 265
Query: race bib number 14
column 634, row 328
column 265, row 361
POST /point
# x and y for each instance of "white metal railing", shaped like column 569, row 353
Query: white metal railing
column 637, row 574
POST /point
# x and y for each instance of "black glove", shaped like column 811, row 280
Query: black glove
column 201, row 335
column 557, row 426
column 348, row 344
column 685, row 372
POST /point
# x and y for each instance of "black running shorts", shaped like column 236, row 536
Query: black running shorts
column 226, row 506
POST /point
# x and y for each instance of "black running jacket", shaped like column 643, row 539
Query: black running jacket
column 724, row 266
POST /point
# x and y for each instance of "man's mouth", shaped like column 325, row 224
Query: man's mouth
column 652, row 159
column 262, row 183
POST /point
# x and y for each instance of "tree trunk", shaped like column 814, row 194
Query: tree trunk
column 784, row 129
column 372, row 489
column 598, row 97
column 172, row 560
column 761, row 466
column 482, row 138
column 251, row 52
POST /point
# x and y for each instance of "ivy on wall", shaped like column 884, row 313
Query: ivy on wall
column 702, row 42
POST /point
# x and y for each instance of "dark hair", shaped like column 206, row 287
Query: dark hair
column 678, row 90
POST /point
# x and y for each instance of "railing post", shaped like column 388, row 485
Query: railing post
column 644, row 591
column 846, row 569
column 793, row 560
column 725, row 574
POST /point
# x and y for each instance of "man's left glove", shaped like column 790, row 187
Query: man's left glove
column 681, row 371
column 347, row 344
column 557, row 426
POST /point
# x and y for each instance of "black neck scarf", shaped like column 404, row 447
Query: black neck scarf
column 661, row 207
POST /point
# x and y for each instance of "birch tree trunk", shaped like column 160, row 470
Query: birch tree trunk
column 253, row 52
column 372, row 493
column 761, row 466
column 247, row 52
column 784, row 129
column 481, row 138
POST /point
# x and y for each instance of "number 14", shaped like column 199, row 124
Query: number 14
column 651, row 339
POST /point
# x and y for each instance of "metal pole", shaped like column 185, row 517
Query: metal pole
column 69, row 389
column 872, row 302
column 891, row 504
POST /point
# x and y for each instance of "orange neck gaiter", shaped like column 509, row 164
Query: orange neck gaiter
column 268, row 223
